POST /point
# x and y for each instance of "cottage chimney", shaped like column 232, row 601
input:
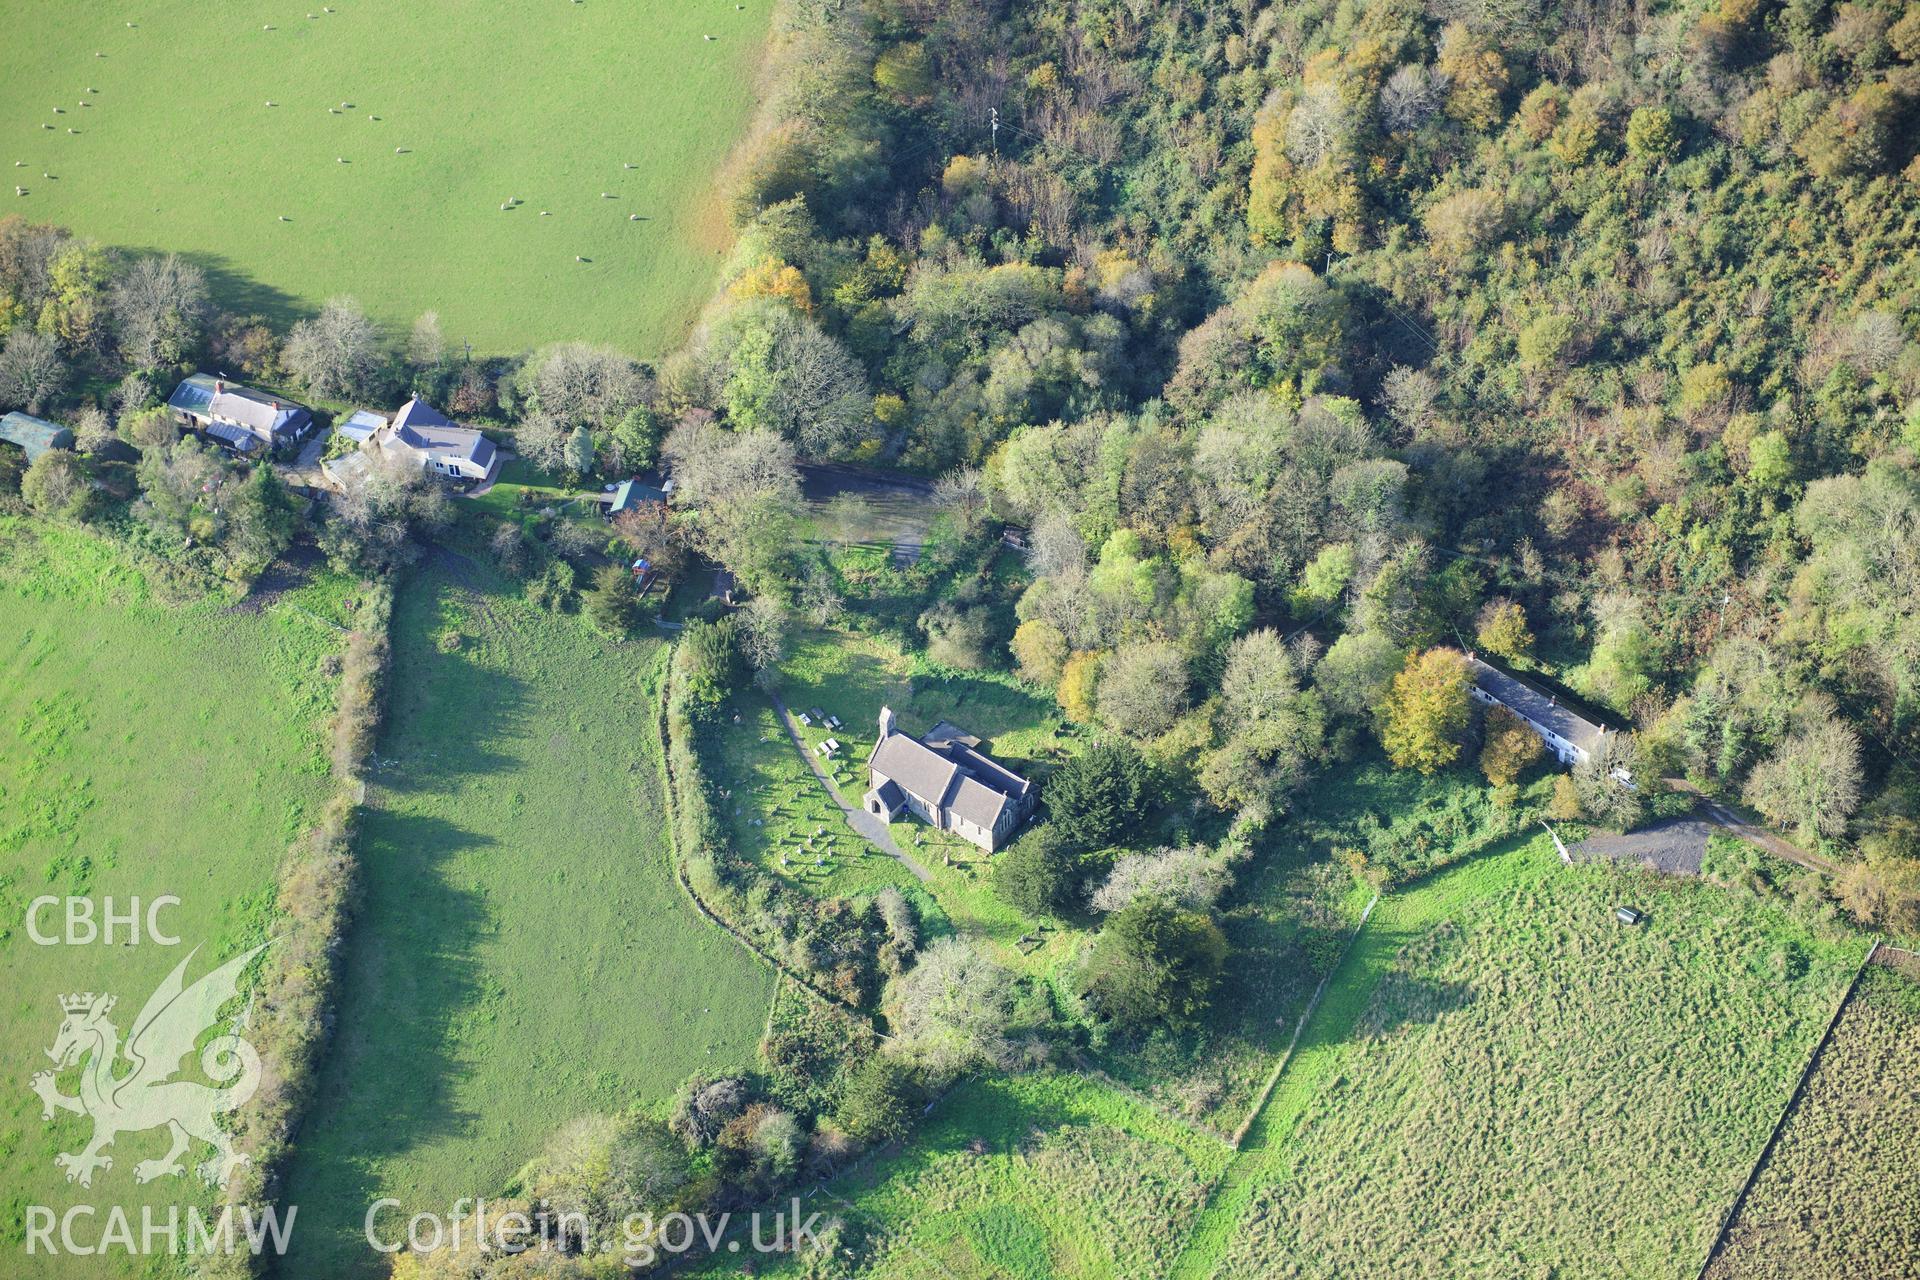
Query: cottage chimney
column 219, row 388
column 886, row 723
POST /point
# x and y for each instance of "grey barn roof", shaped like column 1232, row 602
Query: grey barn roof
column 1541, row 708
column 34, row 435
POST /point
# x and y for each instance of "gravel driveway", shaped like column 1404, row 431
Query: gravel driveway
column 1673, row 845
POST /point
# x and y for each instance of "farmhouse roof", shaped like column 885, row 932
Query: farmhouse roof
column 206, row 396
column 422, row 426
column 1533, row 704
column 35, row 435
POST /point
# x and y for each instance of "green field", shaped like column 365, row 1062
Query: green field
column 523, row 955
column 1839, row 1196
column 146, row 748
column 1504, row 1080
column 1027, row 1178
column 543, row 103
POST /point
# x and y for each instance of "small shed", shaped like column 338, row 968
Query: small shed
column 1627, row 915
column 361, row 424
column 632, row 492
column 35, row 435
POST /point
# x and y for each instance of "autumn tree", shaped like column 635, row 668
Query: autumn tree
column 1502, row 630
column 1510, row 747
column 1427, row 711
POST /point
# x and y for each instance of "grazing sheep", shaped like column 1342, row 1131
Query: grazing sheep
column 272, row 103
column 633, row 217
column 59, row 111
column 285, row 218
column 333, row 111
column 46, row 126
column 19, row 164
column 399, row 151
column 606, row 195
column 706, row 37
column 339, row 159
column 72, row 130
column 545, row 214
column 626, row 166
column 268, row 27
column 85, row 103
column 19, row 191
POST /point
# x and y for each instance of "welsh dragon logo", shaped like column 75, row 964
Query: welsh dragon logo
column 148, row 1097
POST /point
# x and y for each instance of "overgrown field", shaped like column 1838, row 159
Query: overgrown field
column 146, row 748
column 1024, row 1178
column 1839, row 1197
column 389, row 136
column 524, row 955
column 1505, row 1080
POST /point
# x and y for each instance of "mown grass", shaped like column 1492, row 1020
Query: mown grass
column 1504, row 1080
column 777, row 814
column 1839, row 1196
column 523, row 955
column 178, row 150
column 1023, row 1178
column 146, row 748
column 522, row 489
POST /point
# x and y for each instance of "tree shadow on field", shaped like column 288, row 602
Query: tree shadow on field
column 233, row 290
column 410, row 982
column 1404, row 999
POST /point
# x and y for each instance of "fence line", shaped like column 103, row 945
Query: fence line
column 1793, row 1099
column 1273, row 1077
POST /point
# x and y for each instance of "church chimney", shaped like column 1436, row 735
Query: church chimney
column 886, row 723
